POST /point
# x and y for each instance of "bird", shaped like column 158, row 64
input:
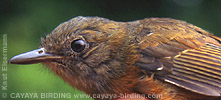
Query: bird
column 157, row 58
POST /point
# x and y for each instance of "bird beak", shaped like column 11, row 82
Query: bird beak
column 34, row 56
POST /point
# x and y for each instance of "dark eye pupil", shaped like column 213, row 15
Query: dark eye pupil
column 78, row 45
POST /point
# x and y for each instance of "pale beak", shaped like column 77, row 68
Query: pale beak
column 34, row 56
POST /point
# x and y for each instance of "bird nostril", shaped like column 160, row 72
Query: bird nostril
column 41, row 51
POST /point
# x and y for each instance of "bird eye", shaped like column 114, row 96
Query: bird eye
column 78, row 45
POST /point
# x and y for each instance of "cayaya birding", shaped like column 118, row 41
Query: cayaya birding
column 151, row 56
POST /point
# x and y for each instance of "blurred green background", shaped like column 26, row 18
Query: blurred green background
column 25, row 21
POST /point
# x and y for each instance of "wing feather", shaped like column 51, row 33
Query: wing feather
column 198, row 70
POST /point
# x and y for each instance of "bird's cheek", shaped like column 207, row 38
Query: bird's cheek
column 55, row 67
column 97, row 57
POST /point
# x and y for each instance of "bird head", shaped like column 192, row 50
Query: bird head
column 85, row 50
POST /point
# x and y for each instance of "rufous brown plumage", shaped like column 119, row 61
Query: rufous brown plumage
column 164, row 56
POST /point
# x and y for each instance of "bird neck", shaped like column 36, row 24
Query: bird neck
column 114, row 83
